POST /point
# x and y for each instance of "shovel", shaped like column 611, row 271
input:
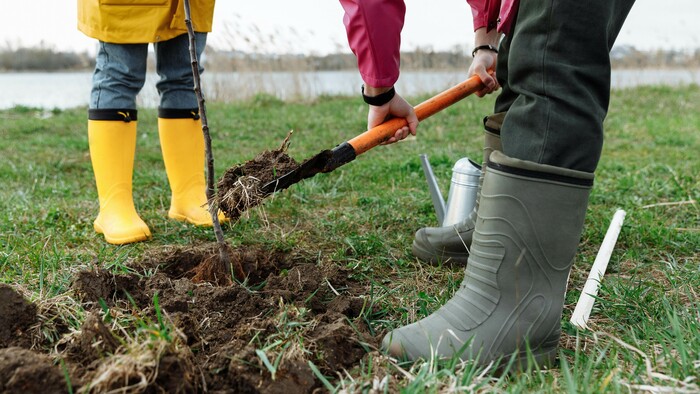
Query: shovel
column 329, row 160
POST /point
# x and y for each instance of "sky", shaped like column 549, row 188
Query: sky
column 315, row 26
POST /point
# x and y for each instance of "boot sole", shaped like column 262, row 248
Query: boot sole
column 187, row 219
column 528, row 362
column 445, row 258
column 121, row 241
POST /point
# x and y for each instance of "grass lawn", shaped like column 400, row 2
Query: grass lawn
column 645, row 327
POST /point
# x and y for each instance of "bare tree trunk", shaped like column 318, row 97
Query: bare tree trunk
column 213, row 205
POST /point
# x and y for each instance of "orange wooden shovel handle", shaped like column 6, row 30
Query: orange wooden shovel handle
column 378, row 134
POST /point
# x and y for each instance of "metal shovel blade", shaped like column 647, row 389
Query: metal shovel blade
column 324, row 161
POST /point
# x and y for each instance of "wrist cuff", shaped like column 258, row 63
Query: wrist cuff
column 379, row 99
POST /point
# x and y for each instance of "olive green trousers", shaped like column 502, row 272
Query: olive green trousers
column 554, row 69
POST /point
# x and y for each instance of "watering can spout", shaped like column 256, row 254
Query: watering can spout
column 435, row 195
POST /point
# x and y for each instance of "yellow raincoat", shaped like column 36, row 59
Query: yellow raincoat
column 141, row 21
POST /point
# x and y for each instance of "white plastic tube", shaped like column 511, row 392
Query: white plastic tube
column 585, row 302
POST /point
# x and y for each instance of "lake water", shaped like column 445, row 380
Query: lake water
column 72, row 89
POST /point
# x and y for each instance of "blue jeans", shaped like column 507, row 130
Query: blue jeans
column 120, row 73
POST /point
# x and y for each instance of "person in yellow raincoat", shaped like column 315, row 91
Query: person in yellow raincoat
column 124, row 29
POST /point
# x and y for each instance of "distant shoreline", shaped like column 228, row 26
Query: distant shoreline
column 69, row 89
column 351, row 69
column 42, row 59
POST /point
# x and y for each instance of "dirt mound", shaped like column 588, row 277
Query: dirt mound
column 94, row 342
column 17, row 315
column 24, row 371
column 200, row 263
column 292, row 376
column 187, row 262
column 263, row 335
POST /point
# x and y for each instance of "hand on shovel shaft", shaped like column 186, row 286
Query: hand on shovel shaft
column 383, row 132
column 329, row 160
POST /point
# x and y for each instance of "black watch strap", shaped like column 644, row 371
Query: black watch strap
column 379, row 99
column 487, row 47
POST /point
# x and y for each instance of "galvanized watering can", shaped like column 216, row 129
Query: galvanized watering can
column 462, row 195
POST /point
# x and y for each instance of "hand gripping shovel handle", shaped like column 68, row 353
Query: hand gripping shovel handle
column 329, row 160
column 378, row 134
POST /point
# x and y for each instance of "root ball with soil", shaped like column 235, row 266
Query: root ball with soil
column 239, row 189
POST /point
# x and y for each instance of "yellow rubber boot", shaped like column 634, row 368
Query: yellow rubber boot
column 112, row 150
column 182, row 143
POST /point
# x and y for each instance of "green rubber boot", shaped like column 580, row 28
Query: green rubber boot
column 450, row 244
column 511, row 299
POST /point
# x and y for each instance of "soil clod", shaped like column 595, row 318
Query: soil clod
column 17, row 315
column 24, row 371
column 93, row 342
